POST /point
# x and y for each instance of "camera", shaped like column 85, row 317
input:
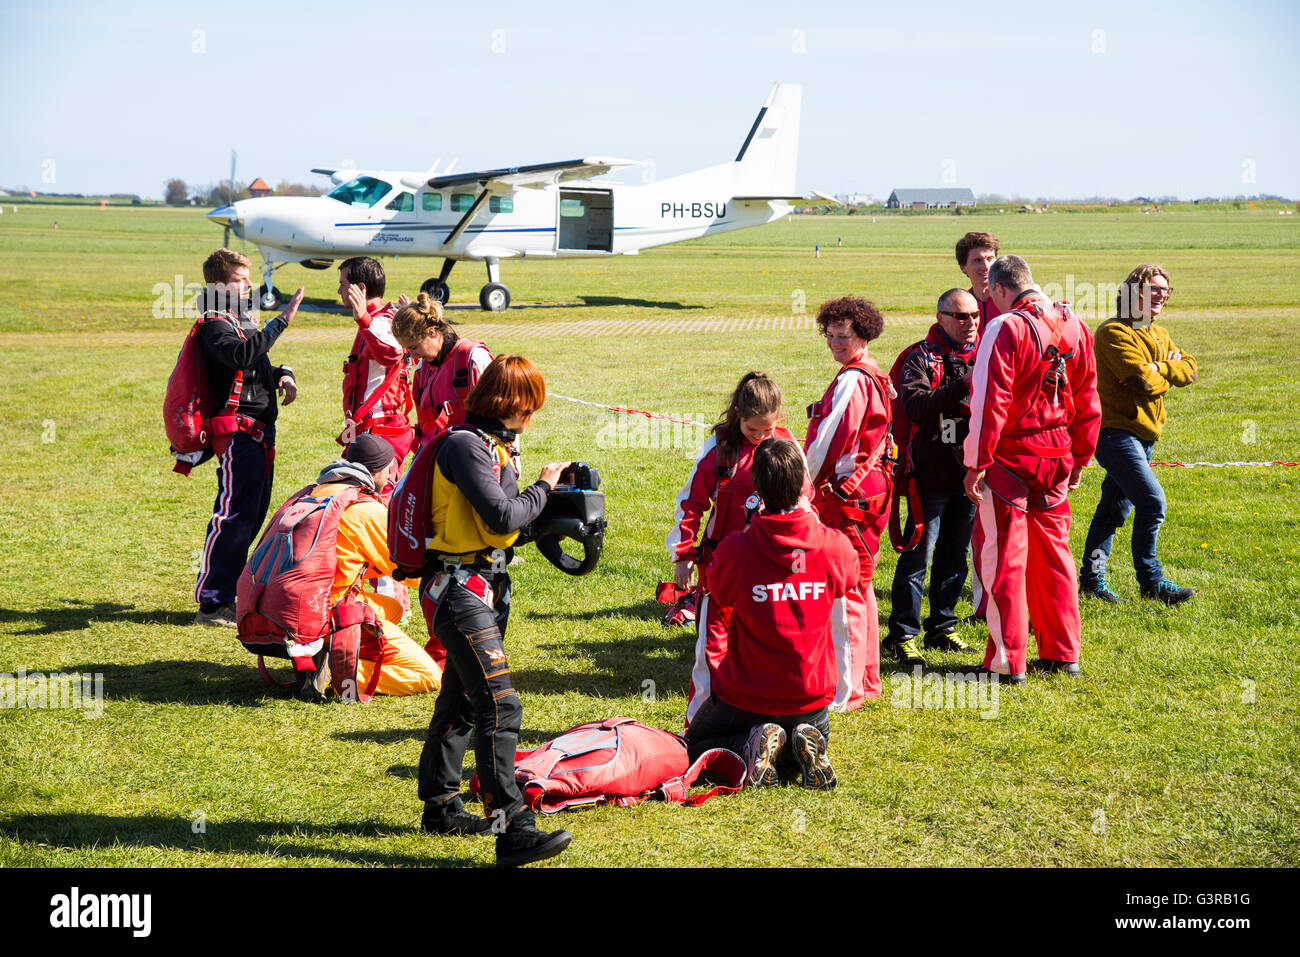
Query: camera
column 574, row 509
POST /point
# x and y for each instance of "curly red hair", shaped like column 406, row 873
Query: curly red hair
column 861, row 314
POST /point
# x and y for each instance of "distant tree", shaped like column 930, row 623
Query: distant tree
column 221, row 194
column 175, row 193
column 285, row 188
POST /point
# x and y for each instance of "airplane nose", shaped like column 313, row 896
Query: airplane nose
column 227, row 216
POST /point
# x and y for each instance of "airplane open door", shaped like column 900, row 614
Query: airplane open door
column 586, row 220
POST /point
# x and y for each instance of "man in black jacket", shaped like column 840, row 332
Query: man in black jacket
column 934, row 389
column 231, row 344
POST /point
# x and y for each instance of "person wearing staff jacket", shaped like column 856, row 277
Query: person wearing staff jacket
column 1033, row 427
column 776, row 584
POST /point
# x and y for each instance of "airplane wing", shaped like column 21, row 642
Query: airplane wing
column 536, row 176
column 817, row 198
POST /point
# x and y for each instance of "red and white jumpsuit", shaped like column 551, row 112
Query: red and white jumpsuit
column 1031, row 422
column 377, row 358
column 848, row 435
column 440, row 389
column 725, row 489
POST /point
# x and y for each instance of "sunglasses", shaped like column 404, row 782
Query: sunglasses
column 968, row 316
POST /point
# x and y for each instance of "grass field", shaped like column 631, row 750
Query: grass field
column 1179, row 747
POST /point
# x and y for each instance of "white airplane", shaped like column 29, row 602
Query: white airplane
column 543, row 211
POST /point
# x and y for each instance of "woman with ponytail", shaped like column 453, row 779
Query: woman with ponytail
column 720, row 479
column 448, row 368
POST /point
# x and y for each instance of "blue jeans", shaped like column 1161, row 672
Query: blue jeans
column 1130, row 485
column 948, row 521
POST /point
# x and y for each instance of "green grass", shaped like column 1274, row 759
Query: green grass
column 1177, row 748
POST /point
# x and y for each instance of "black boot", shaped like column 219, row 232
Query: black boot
column 523, row 843
column 450, row 817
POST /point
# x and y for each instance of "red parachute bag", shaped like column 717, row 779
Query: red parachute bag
column 618, row 761
column 410, row 512
column 283, row 594
column 191, row 416
column 905, row 537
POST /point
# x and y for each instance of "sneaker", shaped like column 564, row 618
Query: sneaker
column 809, row 747
column 905, row 651
column 223, row 616
column 1100, row 591
column 1070, row 668
column 762, row 752
column 1167, row 592
column 979, row 670
column 946, row 641
column 450, row 817
column 523, row 842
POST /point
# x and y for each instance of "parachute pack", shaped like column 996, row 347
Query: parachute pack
column 195, row 427
column 622, row 762
column 283, row 596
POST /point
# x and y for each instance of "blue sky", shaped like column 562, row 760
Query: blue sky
column 1096, row 98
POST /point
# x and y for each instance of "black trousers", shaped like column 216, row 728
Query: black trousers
column 719, row 725
column 477, row 695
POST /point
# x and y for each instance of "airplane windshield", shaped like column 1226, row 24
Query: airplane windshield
column 362, row 191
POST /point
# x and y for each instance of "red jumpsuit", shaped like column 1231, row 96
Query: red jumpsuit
column 849, row 435
column 726, row 489
column 374, row 356
column 1030, row 425
column 440, row 389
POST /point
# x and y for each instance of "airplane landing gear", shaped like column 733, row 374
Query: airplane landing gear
column 494, row 297
column 437, row 288
column 268, row 297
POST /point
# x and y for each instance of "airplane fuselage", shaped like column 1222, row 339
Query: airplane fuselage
column 586, row 219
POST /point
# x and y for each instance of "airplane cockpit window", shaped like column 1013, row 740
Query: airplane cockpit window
column 403, row 202
column 362, row 191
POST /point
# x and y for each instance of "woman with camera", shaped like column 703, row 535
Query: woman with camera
column 478, row 511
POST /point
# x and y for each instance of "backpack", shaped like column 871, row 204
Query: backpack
column 906, row 492
column 410, row 510
column 189, row 409
column 618, row 761
column 283, row 602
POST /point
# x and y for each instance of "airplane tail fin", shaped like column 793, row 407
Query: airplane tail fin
column 766, row 162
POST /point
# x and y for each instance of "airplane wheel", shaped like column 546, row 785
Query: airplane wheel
column 495, row 297
column 436, row 289
column 269, row 297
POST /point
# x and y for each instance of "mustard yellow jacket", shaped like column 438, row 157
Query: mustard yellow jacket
column 1132, row 392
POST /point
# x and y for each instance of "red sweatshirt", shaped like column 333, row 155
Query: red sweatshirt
column 988, row 310
column 1010, row 405
column 778, row 581
column 376, row 353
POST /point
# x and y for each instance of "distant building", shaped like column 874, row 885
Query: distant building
column 259, row 188
column 856, row 199
column 929, row 198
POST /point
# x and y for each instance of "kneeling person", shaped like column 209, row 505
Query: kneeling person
column 370, row 462
column 776, row 584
